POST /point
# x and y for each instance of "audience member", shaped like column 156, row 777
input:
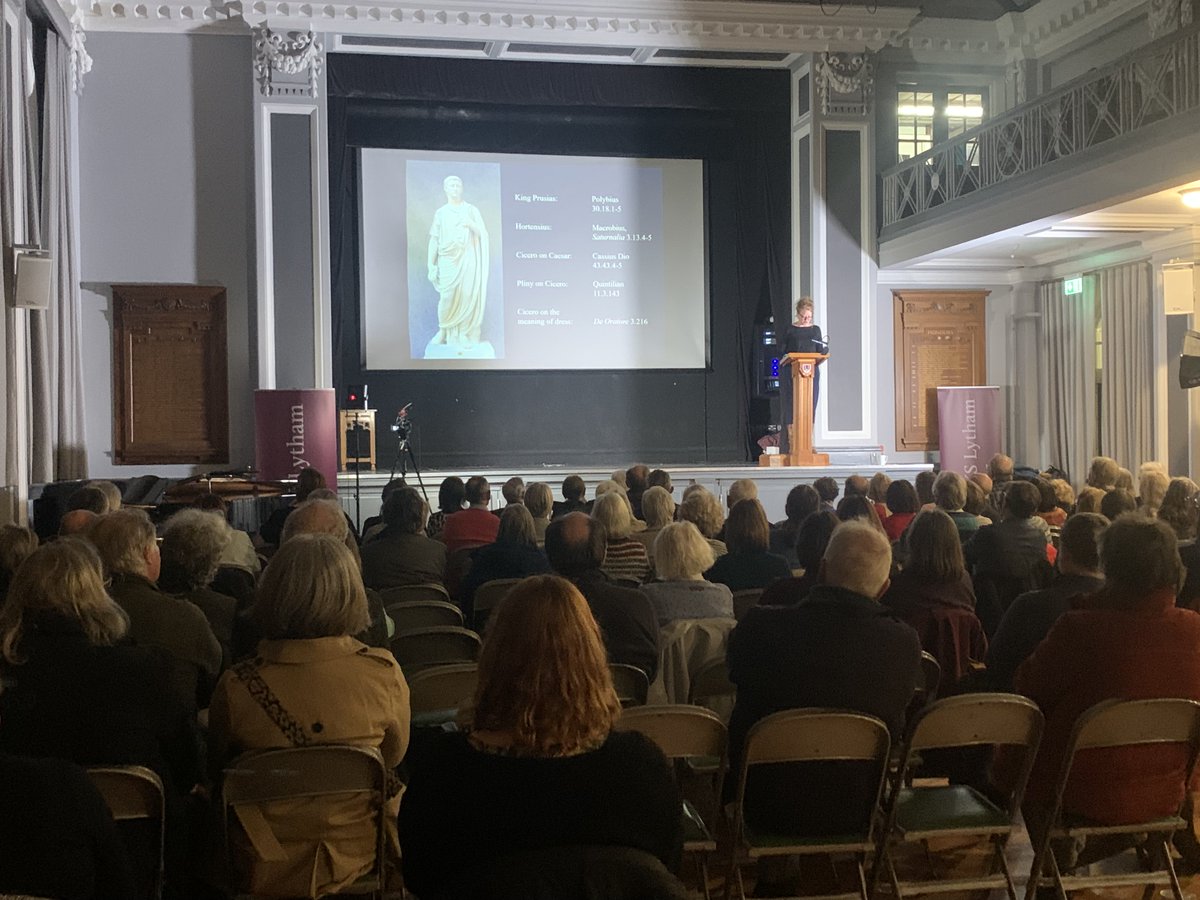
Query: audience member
column 923, row 484
column 877, row 493
column 475, row 525
column 1028, row 620
column 401, row 554
column 1048, row 509
column 903, row 503
column 856, row 486
column 950, row 495
column 749, row 564
column 76, row 690
column 128, row 547
column 626, row 559
column 513, row 492
column 990, row 509
column 976, row 504
column 307, row 481
column 1124, row 480
column 681, row 557
column 1089, row 500
column 1000, row 469
column 239, row 552
column 1064, row 494
column 815, row 532
column 76, row 522
column 618, row 476
column 310, row 683
column 374, row 524
column 111, row 492
column 827, row 490
column 933, row 594
column 1126, row 641
column 92, row 499
column 1008, row 558
column 1152, row 487
column 661, row 478
column 575, row 546
column 452, row 493
column 693, row 488
column 701, row 508
column 857, row 506
column 540, row 731
column 742, row 489
column 514, row 554
column 16, row 543
column 1180, row 509
column 637, row 479
column 539, row 500
column 802, row 501
column 658, row 510
column 573, row 491
column 836, row 649
column 1117, row 502
column 1102, row 473
column 192, row 544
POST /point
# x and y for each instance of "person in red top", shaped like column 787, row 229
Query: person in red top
column 475, row 525
column 1127, row 641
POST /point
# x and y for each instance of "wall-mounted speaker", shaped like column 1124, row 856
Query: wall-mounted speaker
column 1179, row 288
column 34, row 277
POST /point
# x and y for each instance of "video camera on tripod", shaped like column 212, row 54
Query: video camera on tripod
column 403, row 425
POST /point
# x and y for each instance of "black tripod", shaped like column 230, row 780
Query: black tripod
column 405, row 455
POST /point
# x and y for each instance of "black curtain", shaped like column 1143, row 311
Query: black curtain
column 737, row 121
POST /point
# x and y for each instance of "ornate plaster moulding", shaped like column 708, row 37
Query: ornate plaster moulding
column 748, row 26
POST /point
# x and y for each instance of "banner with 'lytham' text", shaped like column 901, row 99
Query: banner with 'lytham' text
column 968, row 427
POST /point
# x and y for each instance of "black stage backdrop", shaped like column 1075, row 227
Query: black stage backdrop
column 737, row 121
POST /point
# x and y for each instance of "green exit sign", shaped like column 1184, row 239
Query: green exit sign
column 1072, row 286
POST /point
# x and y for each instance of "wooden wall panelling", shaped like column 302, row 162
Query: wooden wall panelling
column 170, row 390
column 939, row 340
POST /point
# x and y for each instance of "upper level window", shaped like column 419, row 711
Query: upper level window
column 927, row 114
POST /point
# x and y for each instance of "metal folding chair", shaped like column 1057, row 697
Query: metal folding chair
column 745, row 600
column 435, row 694
column 917, row 814
column 808, row 736
column 687, row 732
column 408, row 593
column 1120, row 723
column 487, row 596
column 437, row 646
column 135, row 792
column 630, row 683
column 409, row 615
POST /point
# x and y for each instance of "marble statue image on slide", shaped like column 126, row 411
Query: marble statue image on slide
column 458, row 271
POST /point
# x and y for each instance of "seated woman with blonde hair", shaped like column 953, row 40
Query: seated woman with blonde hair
column 539, row 765
column 681, row 557
column 626, row 558
column 311, row 683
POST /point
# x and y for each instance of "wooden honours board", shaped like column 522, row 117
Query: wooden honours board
column 938, row 342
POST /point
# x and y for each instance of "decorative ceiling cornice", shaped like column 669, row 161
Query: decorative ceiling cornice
column 744, row 26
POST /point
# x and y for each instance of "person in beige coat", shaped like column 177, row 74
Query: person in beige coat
column 309, row 683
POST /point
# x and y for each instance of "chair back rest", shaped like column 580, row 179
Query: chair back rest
column 409, row 615
column 1123, row 723
column 745, row 600
column 490, row 593
column 810, row 735
column 930, row 676
column 977, row 719
column 408, row 593
column 630, row 683
column 711, row 681
column 135, row 792
column 442, row 687
column 440, row 645
column 679, row 731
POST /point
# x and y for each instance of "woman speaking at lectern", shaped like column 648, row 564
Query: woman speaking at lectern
column 801, row 336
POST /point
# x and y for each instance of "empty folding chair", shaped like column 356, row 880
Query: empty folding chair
column 133, row 793
column 917, row 814
column 437, row 646
column 436, row 694
column 487, row 596
column 410, row 615
column 407, row 593
column 630, row 683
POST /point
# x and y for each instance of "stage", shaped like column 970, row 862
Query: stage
column 773, row 482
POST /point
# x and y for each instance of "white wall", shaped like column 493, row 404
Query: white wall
column 166, row 195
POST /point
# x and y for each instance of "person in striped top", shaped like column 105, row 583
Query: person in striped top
column 626, row 559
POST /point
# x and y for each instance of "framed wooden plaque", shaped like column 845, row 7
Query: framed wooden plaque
column 170, row 392
column 938, row 342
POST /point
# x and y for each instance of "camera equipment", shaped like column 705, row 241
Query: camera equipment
column 403, row 429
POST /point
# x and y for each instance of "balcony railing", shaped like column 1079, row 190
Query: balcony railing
column 1152, row 84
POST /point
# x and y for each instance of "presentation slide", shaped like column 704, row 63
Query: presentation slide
column 487, row 261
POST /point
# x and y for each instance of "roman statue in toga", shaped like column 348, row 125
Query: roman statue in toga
column 458, row 267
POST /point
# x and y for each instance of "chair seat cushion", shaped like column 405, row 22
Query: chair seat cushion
column 953, row 807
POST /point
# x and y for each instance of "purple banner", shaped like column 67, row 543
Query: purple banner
column 295, row 430
column 968, row 427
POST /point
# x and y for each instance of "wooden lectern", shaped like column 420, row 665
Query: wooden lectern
column 804, row 367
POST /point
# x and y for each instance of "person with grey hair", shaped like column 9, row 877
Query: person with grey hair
column 1103, row 472
column 192, row 544
column 401, row 554
column 703, row 510
column 539, row 500
column 111, row 493
column 128, row 546
column 835, row 649
column 626, row 559
column 950, row 495
column 311, row 682
column 513, row 492
column 658, row 511
column 681, row 557
column 89, row 498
